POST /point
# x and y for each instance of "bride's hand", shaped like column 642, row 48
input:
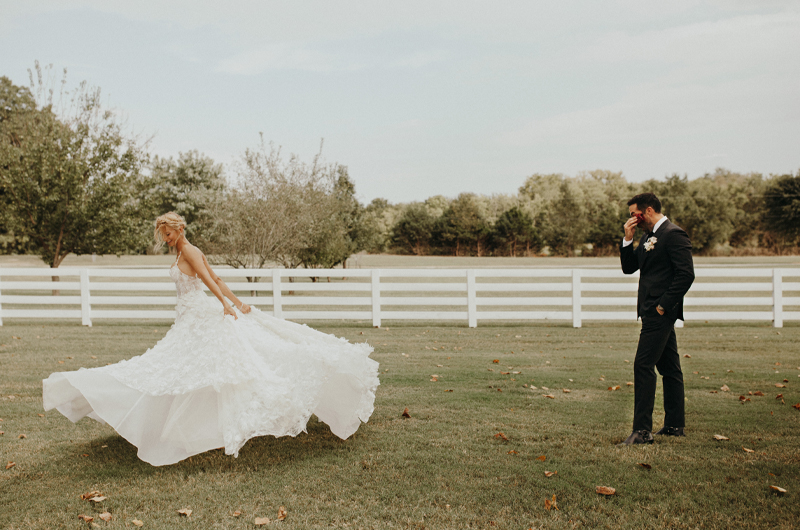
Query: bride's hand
column 228, row 310
column 245, row 308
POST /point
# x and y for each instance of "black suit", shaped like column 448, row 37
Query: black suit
column 666, row 273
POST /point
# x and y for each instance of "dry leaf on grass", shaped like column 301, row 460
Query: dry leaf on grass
column 261, row 521
column 549, row 474
column 105, row 516
column 797, row 406
column 780, row 385
column 512, row 452
column 746, row 450
column 282, row 513
column 137, row 522
column 551, row 504
column 758, row 393
column 93, row 493
column 186, row 512
column 644, row 465
column 605, row 490
column 777, row 489
column 542, row 458
column 720, row 438
column 549, row 396
column 237, row 513
column 687, row 356
column 10, row 465
column 496, row 361
column 629, row 383
column 725, row 388
column 505, row 373
column 779, row 396
column 743, row 399
column 22, row 436
column 566, row 390
column 406, row 413
column 613, row 388
column 87, row 518
column 40, row 415
column 501, row 436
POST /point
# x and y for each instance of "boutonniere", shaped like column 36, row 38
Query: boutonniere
column 650, row 243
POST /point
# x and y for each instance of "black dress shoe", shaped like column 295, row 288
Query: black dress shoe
column 638, row 437
column 671, row 431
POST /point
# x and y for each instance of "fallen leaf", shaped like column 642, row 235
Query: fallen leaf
column 646, row 466
column 785, row 380
column 512, row 452
column 566, row 390
column 405, row 413
column 720, row 438
column 780, row 385
column 99, row 498
column 186, row 512
column 687, row 356
column 746, row 450
column 449, row 390
column 777, row 489
column 549, row 474
column 496, row 361
column 40, row 415
column 629, row 383
column 10, row 465
column 261, row 521
column 742, row 398
column 779, row 396
column 758, row 393
column 137, row 522
column 93, row 493
column 22, row 436
column 439, row 366
column 725, row 388
column 545, row 388
column 797, row 406
column 434, row 380
column 499, row 389
column 237, row 513
column 505, row 373
column 551, row 504
column 490, row 369
column 550, row 396
column 605, row 490
column 105, row 516
column 282, row 513
column 87, row 518
column 542, row 458
column 501, row 436
column 613, row 388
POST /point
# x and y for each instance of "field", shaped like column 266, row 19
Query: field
column 446, row 466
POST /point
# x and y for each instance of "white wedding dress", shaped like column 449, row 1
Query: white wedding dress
column 217, row 382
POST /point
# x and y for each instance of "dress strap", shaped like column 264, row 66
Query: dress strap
column 178, row 257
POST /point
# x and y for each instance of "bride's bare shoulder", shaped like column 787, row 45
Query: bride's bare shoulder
column 193, row 252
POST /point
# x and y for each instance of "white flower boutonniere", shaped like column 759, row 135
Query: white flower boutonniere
column 650, row 243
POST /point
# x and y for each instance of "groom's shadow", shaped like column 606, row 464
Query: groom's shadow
column 115, row 456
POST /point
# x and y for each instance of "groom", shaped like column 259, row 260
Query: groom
column 664, row 259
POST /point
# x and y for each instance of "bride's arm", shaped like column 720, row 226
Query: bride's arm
column 225, row 289
column 195, row 258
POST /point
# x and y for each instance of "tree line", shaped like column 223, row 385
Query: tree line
column 73, row 179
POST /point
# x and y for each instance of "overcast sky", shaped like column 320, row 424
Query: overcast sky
column 439, row 97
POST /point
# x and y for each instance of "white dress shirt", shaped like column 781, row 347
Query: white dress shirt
column 655, row 228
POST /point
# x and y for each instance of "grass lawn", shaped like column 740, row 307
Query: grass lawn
column 444, row 467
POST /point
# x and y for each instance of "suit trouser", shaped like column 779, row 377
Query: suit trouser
column 658, row 348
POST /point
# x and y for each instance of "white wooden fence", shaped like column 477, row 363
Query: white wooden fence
column 468, row 295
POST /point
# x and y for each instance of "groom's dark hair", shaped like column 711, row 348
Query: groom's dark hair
column 643, row 200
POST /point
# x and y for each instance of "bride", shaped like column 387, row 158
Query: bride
column 221, row 375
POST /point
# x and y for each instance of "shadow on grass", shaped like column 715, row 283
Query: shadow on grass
column 114, row 456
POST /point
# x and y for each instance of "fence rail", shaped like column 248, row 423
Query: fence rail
column 469, row 295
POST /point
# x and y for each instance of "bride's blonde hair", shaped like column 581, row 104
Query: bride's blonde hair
column 171, row 220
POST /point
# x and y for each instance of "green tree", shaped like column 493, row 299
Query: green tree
column 514, row 231
column 186, row 186
column 462, row 228
column 66, row 180
column 781, row 214
column 413, row 230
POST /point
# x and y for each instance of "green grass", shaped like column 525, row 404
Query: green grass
column 443, row 467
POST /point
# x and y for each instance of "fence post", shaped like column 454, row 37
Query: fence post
column 777, row 298
column 472, row 302
column 277, row 309
column 376, row 298
column 86, row 305
column 576, row 298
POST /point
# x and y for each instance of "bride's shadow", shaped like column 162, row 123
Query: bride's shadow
column 118, row 457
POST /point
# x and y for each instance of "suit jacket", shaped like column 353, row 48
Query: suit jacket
column 666, row 270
